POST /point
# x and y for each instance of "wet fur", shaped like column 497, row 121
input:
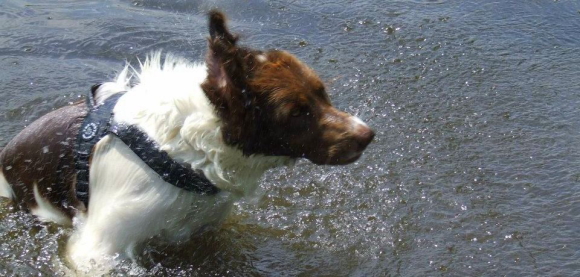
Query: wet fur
column 241, row 113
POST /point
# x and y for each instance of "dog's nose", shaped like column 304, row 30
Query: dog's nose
column 364, row 136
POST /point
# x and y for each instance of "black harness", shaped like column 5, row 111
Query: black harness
column 98, row 123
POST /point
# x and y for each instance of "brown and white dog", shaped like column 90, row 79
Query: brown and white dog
column 241, row 113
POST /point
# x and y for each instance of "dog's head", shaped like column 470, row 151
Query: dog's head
column 273, row 104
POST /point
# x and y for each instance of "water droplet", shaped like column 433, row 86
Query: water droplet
column 27, row 48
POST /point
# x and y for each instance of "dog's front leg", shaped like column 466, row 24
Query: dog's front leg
column 125, row 206
column 129, row 203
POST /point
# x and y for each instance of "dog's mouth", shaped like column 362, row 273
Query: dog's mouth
column 353, row 157
column 345, row 151
column 347, row 159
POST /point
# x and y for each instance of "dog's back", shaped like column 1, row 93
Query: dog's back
column 37, row 166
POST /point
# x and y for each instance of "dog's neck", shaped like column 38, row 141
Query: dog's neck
column 168, row 103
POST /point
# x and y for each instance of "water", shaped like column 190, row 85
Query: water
column 474, row 170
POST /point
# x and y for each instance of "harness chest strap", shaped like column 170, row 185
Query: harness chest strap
column 97, row 124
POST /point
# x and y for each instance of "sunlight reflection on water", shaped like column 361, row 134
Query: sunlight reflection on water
column 473, row 170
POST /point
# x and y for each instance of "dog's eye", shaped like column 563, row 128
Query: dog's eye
column 299, row 111
column 296, row 113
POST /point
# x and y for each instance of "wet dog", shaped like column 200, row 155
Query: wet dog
column 220, row 125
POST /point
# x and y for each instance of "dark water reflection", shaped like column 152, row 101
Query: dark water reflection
column 474, row 170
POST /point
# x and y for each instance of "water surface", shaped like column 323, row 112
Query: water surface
column 474, row 170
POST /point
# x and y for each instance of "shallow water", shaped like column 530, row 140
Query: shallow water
column 474, row 170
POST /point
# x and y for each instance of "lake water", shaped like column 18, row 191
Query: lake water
column 475, row 169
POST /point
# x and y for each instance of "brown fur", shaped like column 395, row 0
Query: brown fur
column 278, row 106
column 43, row 154
column 269, row 102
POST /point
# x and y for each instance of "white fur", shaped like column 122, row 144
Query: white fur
column 261, row 58
column 357, row 122
column 170, row 106
column 128, row 201
column 46, row 211
column 5, row 188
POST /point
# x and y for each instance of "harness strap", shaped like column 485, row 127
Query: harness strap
column 93, row 129
column 167, row 168
column 97, row 124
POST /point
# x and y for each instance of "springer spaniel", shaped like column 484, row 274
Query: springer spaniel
column 227, row 120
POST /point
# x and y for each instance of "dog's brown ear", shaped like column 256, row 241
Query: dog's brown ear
column 218, row 29
column 225, row 63
column 224, row 60
column 226, row 86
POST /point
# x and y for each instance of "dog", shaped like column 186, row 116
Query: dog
column 219, row 124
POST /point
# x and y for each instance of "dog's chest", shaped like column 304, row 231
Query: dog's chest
column 142, row 202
